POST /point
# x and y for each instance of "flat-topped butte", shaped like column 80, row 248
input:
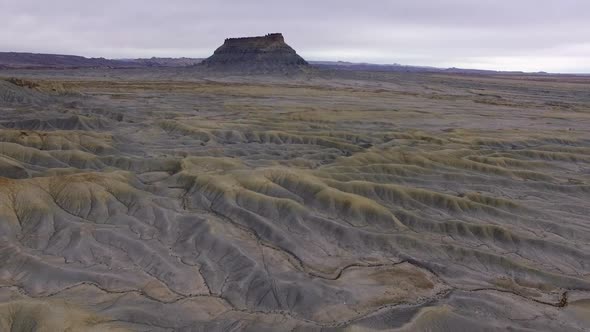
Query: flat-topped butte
column 255, row 53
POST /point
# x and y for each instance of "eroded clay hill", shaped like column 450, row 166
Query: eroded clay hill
column 259, row 54
column 399, row 203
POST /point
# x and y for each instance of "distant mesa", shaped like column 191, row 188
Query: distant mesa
column 263, row 53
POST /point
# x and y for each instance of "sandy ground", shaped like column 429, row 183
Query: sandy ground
column 177, row 200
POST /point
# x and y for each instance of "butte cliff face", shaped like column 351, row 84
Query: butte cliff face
column 265, row 53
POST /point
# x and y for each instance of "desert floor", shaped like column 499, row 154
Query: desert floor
column 169, row 199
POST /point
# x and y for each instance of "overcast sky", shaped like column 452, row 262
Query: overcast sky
column 531, row 35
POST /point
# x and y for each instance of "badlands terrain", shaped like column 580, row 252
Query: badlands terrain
column 177, row 199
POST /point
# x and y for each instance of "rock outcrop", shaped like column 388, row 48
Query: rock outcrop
column 14, row 91
column 264, row 53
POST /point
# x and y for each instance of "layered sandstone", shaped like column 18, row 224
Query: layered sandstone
column 262, row 53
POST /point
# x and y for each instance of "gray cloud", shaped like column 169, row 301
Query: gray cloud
column 517, row 34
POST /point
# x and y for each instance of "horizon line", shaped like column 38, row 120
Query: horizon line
column 392, row 64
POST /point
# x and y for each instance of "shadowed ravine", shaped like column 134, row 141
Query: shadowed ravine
column 180, row 200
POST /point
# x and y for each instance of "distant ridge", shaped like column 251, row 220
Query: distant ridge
column 40, row 60
column 398, row 68
column 22, row 60
column 267, row 60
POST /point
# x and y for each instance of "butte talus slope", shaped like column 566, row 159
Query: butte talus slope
column 262, row 54
column 395, row 203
